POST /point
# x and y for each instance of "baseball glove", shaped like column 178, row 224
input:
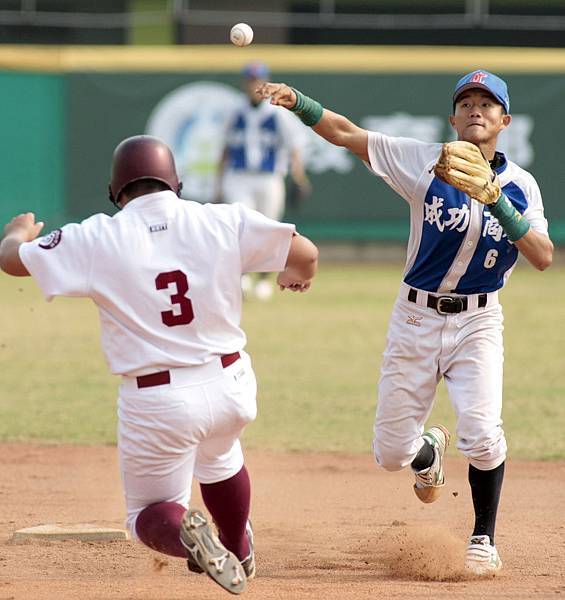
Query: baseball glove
column 462, row 165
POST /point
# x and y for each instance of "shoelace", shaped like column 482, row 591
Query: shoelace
column 426, row 478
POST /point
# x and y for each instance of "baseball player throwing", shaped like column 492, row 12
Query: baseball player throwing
column 165, row 275
column 472, row 211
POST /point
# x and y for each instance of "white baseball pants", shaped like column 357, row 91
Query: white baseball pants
column 263, row 192
column 169, row 433
column 466, row 349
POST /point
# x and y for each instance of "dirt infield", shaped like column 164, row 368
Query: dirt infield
column 327, row 526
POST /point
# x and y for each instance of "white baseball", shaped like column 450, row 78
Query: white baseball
column 241, row 34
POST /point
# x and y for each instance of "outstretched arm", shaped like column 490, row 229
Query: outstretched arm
column 301, row 265
column 20, row 229
column 333, row 127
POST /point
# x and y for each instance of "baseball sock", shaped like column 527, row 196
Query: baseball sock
column 158, row 526
column 485, row 489
column 228, row 502
column 424, row 458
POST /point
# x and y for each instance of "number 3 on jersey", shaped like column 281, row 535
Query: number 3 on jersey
column 177, row 278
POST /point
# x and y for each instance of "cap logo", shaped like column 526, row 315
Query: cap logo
column 479, row 77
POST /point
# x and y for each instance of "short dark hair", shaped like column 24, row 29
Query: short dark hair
column 140, row 187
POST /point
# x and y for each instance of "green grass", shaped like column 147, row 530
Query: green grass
column 316, row 356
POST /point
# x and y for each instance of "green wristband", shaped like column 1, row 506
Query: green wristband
column 307, row 110
column 509, row 218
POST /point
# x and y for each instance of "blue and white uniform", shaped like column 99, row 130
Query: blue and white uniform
column 259, row 143
column 456, row 248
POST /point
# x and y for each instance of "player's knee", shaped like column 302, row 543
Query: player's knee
column 485, row 449
column 388, row 457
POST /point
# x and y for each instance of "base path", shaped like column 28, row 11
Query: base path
column 326, row 526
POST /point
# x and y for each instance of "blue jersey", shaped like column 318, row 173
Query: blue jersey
column 455, row 245
column 259, row 139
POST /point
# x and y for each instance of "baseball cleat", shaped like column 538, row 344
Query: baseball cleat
column 205, row 551
column 192, row 565
column 430, row 481
column 248, row 563
column 481, row 558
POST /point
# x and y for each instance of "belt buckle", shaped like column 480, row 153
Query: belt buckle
column 449, row 301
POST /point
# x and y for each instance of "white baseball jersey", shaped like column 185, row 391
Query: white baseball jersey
column 165, row 275
column 455, row 245
column 259, row 138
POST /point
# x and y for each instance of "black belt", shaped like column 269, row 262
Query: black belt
column 447, row 305
column 164, row 377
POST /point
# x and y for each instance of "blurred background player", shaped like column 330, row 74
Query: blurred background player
column 166, row 277
column 262, row 144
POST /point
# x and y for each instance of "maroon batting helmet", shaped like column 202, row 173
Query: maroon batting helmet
column 142, row 157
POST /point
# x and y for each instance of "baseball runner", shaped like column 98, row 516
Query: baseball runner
column 471, row 212
column 165, row 275
column 262, row 143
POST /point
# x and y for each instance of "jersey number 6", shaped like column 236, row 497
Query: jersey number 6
column 186, row 314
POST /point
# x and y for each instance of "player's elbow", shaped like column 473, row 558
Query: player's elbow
column 308, row 262
column 544, row 258
column 5, row 266
column 4, row 262
column 303, row 257
column 12, row 265
column 352, row 138
column 537, row 249
column 337, row 130
column 14, row 270
column 311, row 254
column 343, row 137
column 333, row 136
column 544, row 262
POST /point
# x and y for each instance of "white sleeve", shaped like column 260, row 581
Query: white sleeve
column 61, row 261
column 534, row 214
column 264, row 244
column 400, row 162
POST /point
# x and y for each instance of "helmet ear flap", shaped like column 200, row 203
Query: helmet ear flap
column 111, row 197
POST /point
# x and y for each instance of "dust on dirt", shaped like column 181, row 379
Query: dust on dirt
column 424, row 552
column 326, row 526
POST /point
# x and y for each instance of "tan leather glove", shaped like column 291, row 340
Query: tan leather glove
column 462, row 165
